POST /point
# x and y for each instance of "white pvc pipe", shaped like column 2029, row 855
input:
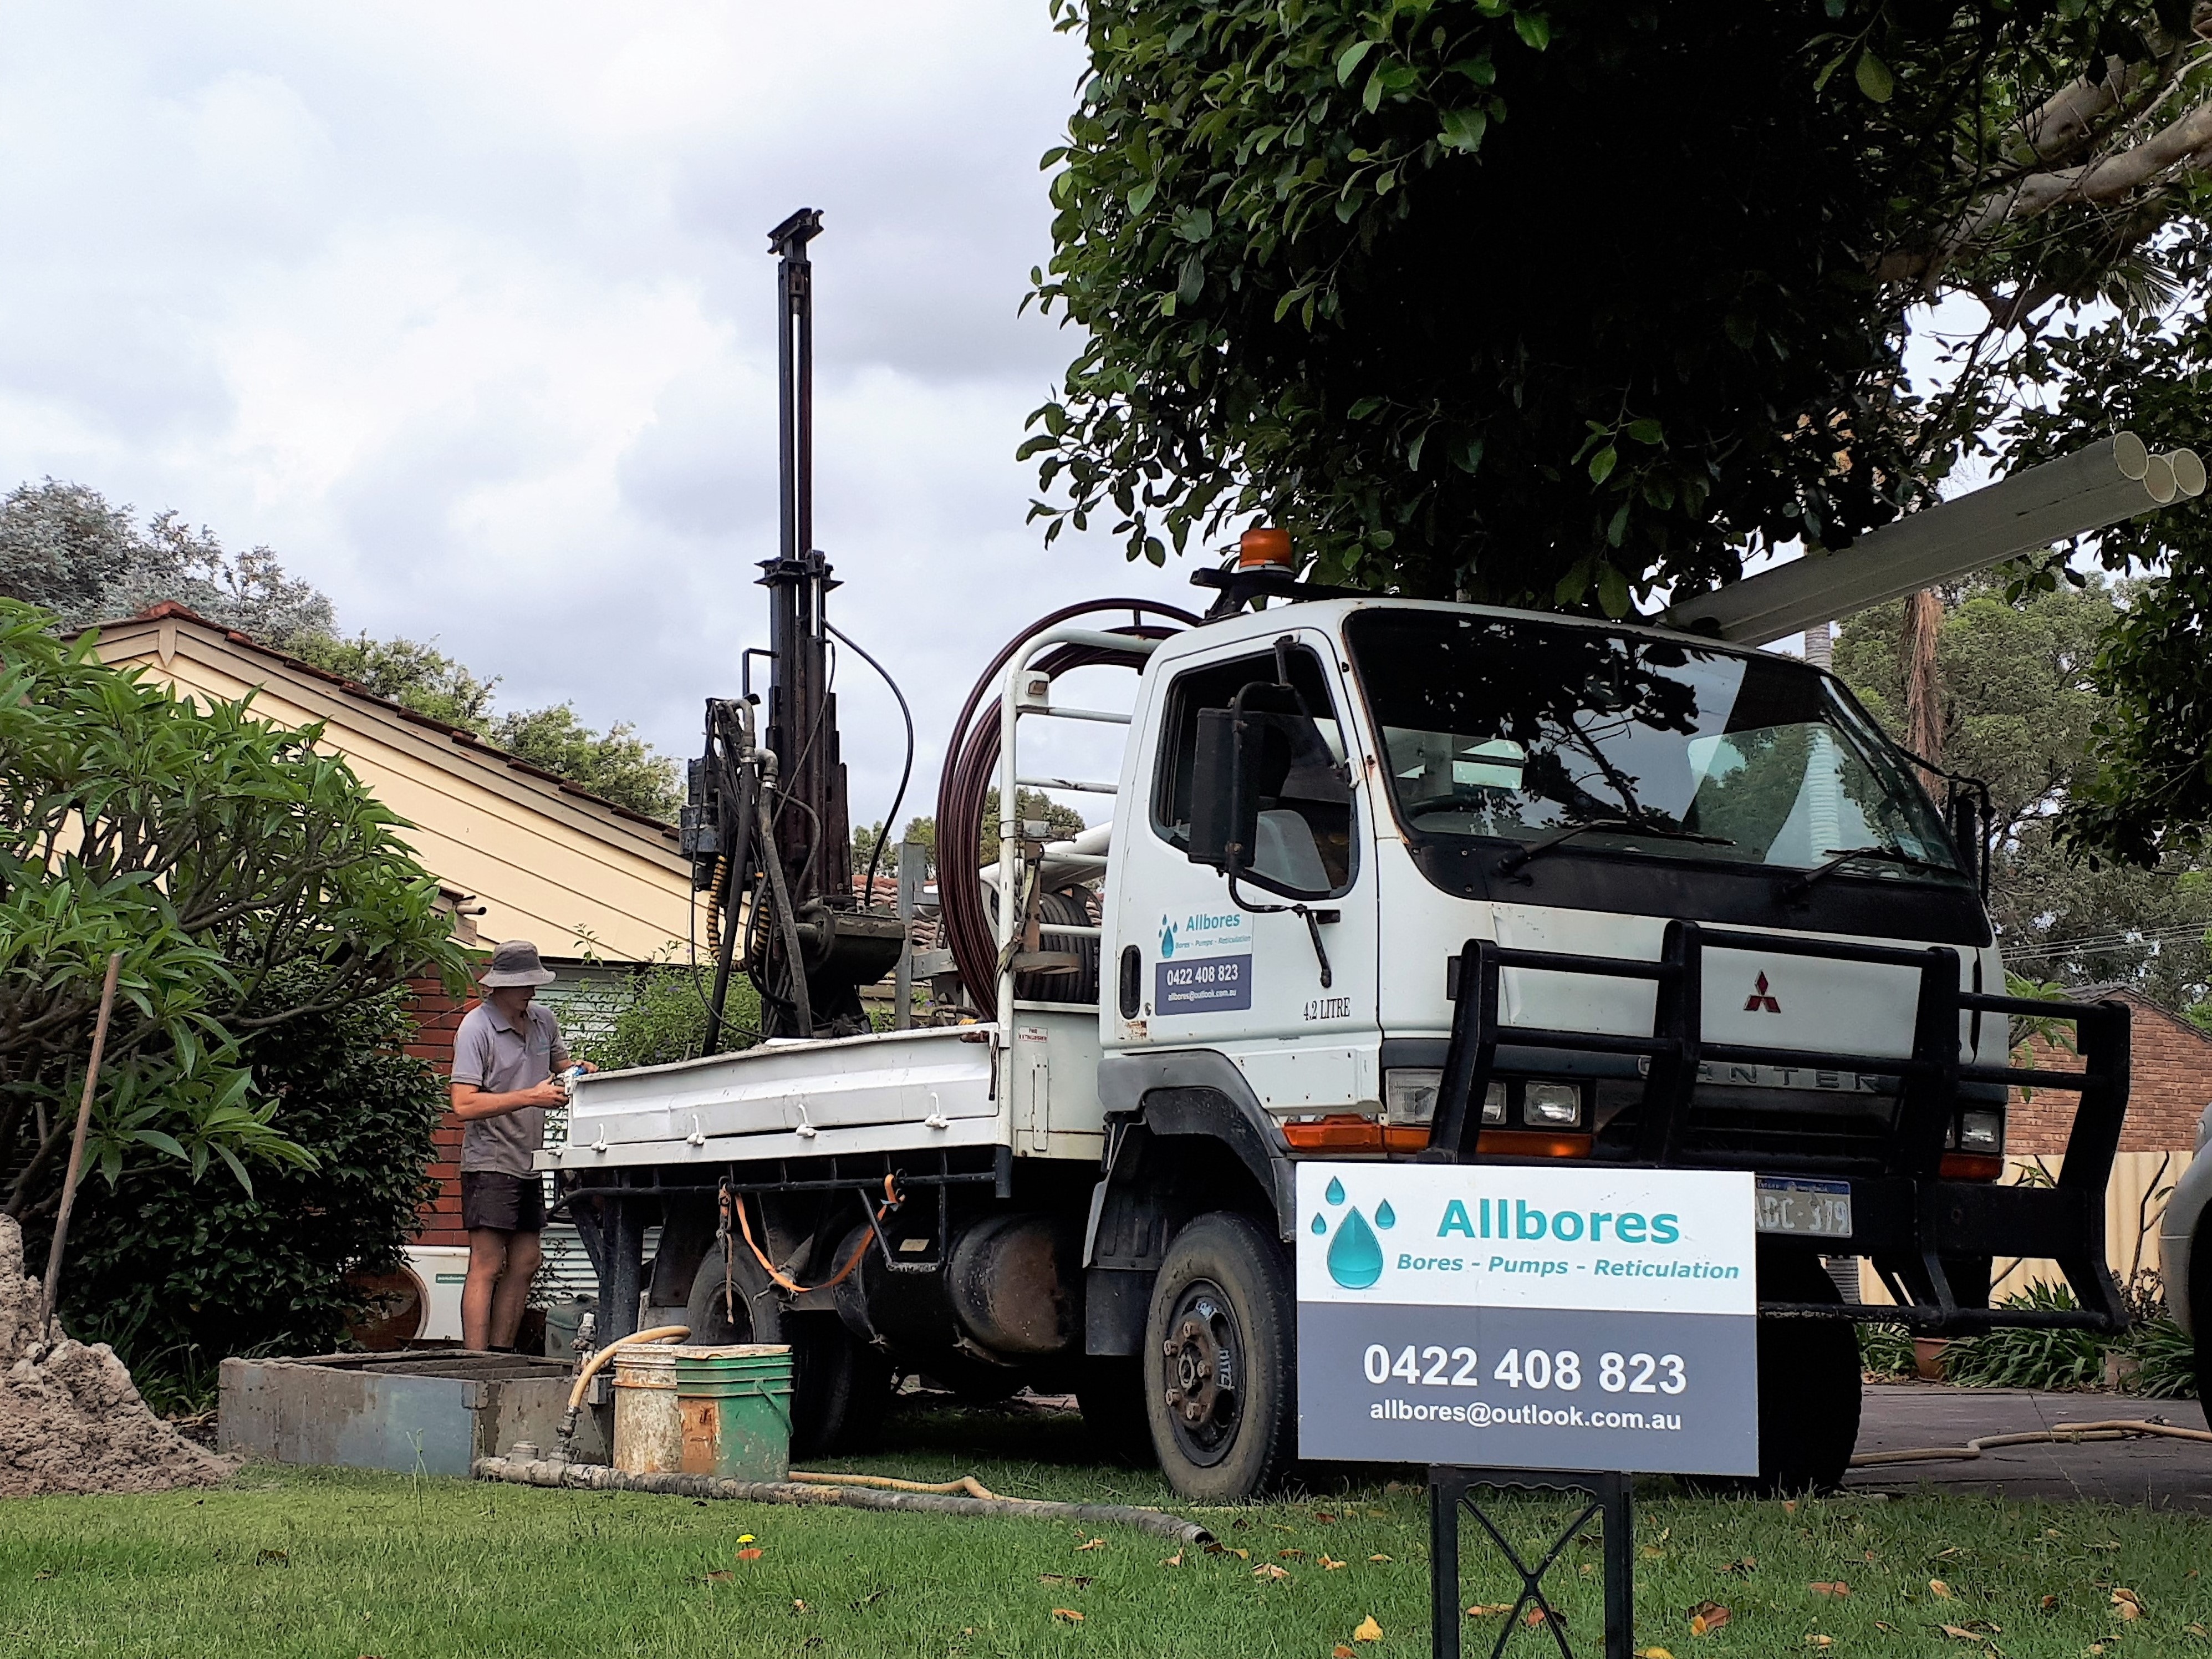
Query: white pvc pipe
column 2108, row 483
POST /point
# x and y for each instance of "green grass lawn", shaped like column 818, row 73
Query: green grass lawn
column 338, row 1563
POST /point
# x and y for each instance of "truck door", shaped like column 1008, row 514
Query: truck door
column 1246, row 978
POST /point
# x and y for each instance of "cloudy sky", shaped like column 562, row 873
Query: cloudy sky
column 465, row 312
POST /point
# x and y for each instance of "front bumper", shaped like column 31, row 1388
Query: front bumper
column 1908, row 1219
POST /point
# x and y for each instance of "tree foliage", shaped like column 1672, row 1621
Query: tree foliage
column 1418, row 282
column 1554, row 303
column 2021, row 708
column 1564, row 303
column 177, row 1274
column 615, row 763
column 418, row 676
column 248, row 881
column 657, row 1015
column 64, row 548
column 2146, row 366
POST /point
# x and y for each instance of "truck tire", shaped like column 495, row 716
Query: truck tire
column 1809, row 1376
column 1222, row 1396
column 1111, row 1392
column 839, row 1386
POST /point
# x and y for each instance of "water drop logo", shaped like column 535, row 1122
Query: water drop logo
column 1167, row 937
column 1355, row 1254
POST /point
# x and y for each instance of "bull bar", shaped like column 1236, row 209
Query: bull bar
column 1908, row 1219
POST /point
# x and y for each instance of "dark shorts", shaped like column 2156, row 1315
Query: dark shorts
column 506, row 1203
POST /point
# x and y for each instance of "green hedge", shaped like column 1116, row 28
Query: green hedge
column 177, row 1273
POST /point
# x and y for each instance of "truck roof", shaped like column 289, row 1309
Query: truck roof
column 1329, row 612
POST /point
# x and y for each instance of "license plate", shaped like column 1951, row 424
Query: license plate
column 1810, row 1209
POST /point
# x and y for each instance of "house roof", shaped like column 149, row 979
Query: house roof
column 541, row 858
column 355, row 689
column 2120, row 991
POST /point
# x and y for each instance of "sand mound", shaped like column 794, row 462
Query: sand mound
column 69, row 1420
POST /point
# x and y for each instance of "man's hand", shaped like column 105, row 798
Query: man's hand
column 470, row 1102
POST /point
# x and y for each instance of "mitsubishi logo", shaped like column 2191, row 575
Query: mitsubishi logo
column 1761, row 1000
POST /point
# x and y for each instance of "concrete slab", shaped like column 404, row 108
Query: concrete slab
column 2160, row 1473
column 434, row 1411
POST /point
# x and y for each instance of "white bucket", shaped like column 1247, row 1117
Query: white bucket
column 648, row 1425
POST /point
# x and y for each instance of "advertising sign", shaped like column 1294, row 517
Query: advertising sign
column 1509, row 1316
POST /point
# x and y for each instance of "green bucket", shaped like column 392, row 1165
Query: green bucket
column 735, row 1404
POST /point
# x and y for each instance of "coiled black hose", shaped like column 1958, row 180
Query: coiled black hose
column 971, row 758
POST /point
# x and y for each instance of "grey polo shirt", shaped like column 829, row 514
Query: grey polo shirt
column 500, row 1059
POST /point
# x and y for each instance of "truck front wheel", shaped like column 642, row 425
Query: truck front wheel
column 1809, row 1381
column 1221, row 1389
column 839, row 1386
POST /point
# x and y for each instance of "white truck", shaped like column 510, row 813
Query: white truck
column 1384, row 879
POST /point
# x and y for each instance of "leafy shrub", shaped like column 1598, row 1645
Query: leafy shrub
column 657, row 1017
column 2013, row 1358
column 2166, row 1359
column 227, row 862
column 1885, row 1350
column 177, row 1273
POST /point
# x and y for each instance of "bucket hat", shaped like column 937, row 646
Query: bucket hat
column 515, row 963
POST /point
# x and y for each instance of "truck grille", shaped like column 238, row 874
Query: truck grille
column 1738, row 1127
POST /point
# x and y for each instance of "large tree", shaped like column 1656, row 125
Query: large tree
column 2020, row 707
column 1566, row 304
column 67, row 549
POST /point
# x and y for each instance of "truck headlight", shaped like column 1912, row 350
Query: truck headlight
column 1552, row 1105
column 1981, row 1132
column 1409, row 1096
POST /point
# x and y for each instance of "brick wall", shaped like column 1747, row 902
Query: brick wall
column 2171, row 1068
column 437, row 1015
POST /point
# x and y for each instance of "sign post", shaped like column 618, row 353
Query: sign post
column 1512, row 1325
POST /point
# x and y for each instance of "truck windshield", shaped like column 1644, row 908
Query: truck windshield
column 1514, row 731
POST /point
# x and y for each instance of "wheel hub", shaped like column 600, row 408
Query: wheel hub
column 1202, row 1366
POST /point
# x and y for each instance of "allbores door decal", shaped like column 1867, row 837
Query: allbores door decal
column 1205, row 962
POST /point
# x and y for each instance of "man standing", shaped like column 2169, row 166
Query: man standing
column 505, row 1055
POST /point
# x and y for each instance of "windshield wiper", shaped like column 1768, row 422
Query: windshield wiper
column 1543, row 844
column 1840, row 856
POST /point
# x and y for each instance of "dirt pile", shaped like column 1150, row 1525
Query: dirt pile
column 69, row 1420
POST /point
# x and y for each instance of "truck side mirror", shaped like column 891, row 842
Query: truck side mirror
column 1245, row 751
column 1224, row 812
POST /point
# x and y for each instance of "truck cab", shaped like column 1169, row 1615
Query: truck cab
column 1385, row 879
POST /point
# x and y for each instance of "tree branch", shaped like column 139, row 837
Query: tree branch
column 2186, row 142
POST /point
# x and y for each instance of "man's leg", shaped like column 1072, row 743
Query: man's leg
column 523, row 1255
column 489, row 1250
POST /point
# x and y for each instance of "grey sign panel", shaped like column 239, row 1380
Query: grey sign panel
column 1202, row 984
column 1528, row 1387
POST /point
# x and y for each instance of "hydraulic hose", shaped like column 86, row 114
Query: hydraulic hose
column 833, row 1491
column 970, row 759
column 906, row 772
column 2057, row 1433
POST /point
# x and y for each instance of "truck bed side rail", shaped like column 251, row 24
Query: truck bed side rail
column 1913, row 1219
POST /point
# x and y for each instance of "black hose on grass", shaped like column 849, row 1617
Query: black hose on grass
column 597, row 1477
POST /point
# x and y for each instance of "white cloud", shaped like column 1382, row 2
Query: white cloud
column 467, row 313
